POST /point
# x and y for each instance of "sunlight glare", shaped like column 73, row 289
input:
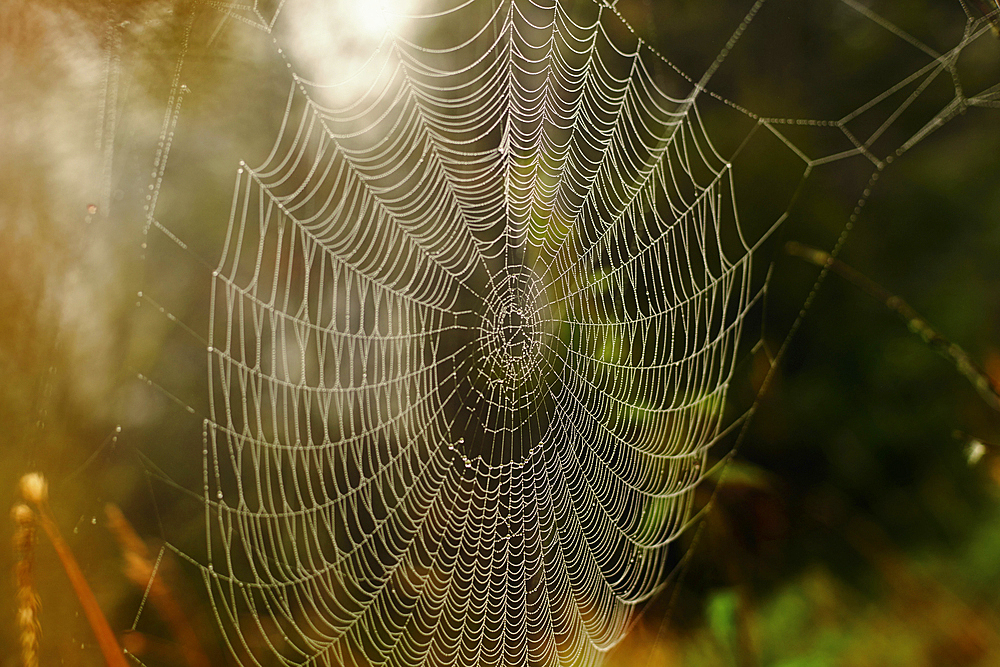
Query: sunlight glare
column 371, row 17
column 333, row 42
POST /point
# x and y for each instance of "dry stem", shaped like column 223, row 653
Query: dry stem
column 27, row 598
column 35, row 490
column 143, row 573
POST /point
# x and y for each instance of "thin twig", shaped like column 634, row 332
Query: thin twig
column 27, row 598
column 146, row 574
column 982, row 382
column 34, row 489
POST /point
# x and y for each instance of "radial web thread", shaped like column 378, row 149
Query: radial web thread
column 472, row 329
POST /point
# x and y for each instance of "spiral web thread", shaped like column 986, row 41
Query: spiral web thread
column 471, row 336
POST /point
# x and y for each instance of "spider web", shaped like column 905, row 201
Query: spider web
column 473, row 323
